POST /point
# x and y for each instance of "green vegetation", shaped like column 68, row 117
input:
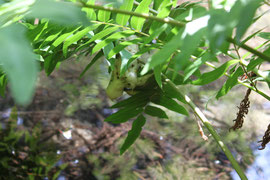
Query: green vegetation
column 151, row 46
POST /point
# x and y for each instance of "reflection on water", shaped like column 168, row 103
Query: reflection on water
column 260, row 169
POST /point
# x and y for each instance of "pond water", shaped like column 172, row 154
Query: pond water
column 260, row 169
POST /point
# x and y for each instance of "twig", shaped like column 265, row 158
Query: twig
column 201, row 131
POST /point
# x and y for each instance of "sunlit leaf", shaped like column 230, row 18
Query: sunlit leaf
column 211, row 76
column 113, row 37
column 63, row 37
column 121, row 18
column 100, row 35
column 122, row 45
column 162, row 14
column 74, row 38
column 53, row 35
column 137, row 22
column 104, row 15
column 90, row 13
column 164, row 54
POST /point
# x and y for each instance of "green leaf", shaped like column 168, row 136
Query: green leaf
column 175, row 77
column 123, row 115
column 211, row 76
column 35, row 33
column 171, row 92
column 230, row 83
column 125, row 56
column 265, row 35
column 191, row 38
column 65, row 13
column 157, row 4
column 108, row 49
column 155, row 33
column 63, row 37
column 90, row 13
column 113, row 37
column 139, row 98
column 76, row 37
column 97, row 56
column 219, row 28
column 53, row 35
column 157, row 74
column 164, row 54
column 104, row 16
column 252, row 35
column 255, row 62
column 162, row 14
column 141, row 52
column 169, row 104
column 245, row 19
column 18, row 62
column 134, row 133
column 155, row 111
column 137, row 22
column 122, row 45
column 187, row 39
column 51, row 62
column 193, row 67
column 102, row 34
column 121, row 18
column 3, row 84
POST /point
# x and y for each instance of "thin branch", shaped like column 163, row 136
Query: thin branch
column 142, row 15
column 244, row 68
column 212, row 131
column 250, row 49
column 245, row 84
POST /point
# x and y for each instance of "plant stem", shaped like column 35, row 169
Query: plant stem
column 250, row 49
column 142, row 15
column 212, row 131
column 244, row 84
